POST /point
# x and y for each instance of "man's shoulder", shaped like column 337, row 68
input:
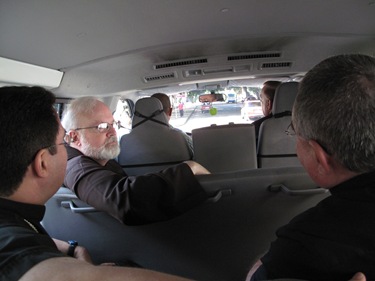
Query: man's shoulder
column 260, row 121
column 75, row 156
column 179, row 130
column 79, row 163
column 22, row 248
column 73, row 153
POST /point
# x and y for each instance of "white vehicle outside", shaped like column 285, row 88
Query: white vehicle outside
column 231, row 98
column 251, row 110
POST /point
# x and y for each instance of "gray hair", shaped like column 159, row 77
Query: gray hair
column 335, row 106
column 78, row 107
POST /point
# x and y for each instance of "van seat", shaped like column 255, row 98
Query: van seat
column 216, row 241
column 225, row 148
column 152, row 144
column 276, row 148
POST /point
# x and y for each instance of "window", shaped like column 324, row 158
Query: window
column 197, row 114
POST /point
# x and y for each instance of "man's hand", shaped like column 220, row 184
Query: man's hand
column 80, row 253
column 197, row 168
column 359, row 276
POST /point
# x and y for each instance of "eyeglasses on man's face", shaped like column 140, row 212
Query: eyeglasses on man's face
column 66, row 141
column 290, row 130
column 50, row 148
column 102, row 127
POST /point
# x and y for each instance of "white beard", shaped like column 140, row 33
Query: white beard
column 103, row 152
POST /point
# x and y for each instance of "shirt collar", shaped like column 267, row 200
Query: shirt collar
column 362, row 185
column 30, row 212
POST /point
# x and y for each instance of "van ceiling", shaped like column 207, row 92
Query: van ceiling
column 112, row 47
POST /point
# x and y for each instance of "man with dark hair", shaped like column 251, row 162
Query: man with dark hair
column 334, row 119
column 165, row 101
column 266, row 99
column 32, row 168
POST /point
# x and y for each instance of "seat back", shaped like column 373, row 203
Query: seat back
column 216, row 241
column 225, row 148
column 152, row 144
column 275, row 147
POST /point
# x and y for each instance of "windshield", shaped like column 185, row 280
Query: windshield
column 196, row 114
column 240, row 105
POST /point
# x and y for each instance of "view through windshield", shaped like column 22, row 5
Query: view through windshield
column 241, row 105
column 194, row 117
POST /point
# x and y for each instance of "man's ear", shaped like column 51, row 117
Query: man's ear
column 269, row 105
column 40, row 163
column 73, row 137
column 170, row 112
column 323, row 159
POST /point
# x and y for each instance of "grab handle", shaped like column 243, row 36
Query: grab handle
column 218, row 195
column 288, row 191
column 70, row 204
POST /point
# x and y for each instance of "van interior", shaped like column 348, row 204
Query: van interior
column 123, row 50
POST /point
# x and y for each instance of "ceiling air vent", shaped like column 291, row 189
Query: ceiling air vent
column 159, row 77
column 254, row 56
column 275, row 65
column 180, row 63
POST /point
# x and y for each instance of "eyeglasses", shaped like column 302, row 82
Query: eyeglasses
column 66, row 141
column 102, row 127
column 290, row 130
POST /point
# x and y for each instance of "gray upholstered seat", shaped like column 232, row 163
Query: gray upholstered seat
column 152, row 144
column 275, row 147
column 225, row 148
column 216, row 241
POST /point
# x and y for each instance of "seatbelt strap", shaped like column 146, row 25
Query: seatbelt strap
column 149, row 118
column 282, row 114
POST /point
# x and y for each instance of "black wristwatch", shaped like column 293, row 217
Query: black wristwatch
column 72, row 246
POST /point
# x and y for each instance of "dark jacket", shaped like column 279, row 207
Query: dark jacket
column 133, row 200
column 259, row 122
column 23, row 241
column 331, row 241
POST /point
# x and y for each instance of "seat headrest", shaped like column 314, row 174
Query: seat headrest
column 149, row 111
column 285, row 95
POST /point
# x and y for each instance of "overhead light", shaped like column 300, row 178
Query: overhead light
column 19, row 73
column 216, row 80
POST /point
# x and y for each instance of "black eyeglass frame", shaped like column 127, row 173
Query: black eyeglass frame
column 290, row 131
column 66, row 142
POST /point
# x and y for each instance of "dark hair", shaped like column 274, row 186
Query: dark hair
column 335, row 106
column 269, row 89
column 28, row 123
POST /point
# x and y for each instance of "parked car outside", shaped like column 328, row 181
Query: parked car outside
column 252, row 110
column 206, row 106
column 231, row 98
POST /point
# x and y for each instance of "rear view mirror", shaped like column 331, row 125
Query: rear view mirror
column 211, row 97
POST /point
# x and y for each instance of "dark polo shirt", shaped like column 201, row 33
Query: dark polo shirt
column 330, row 241
column 23, row 241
